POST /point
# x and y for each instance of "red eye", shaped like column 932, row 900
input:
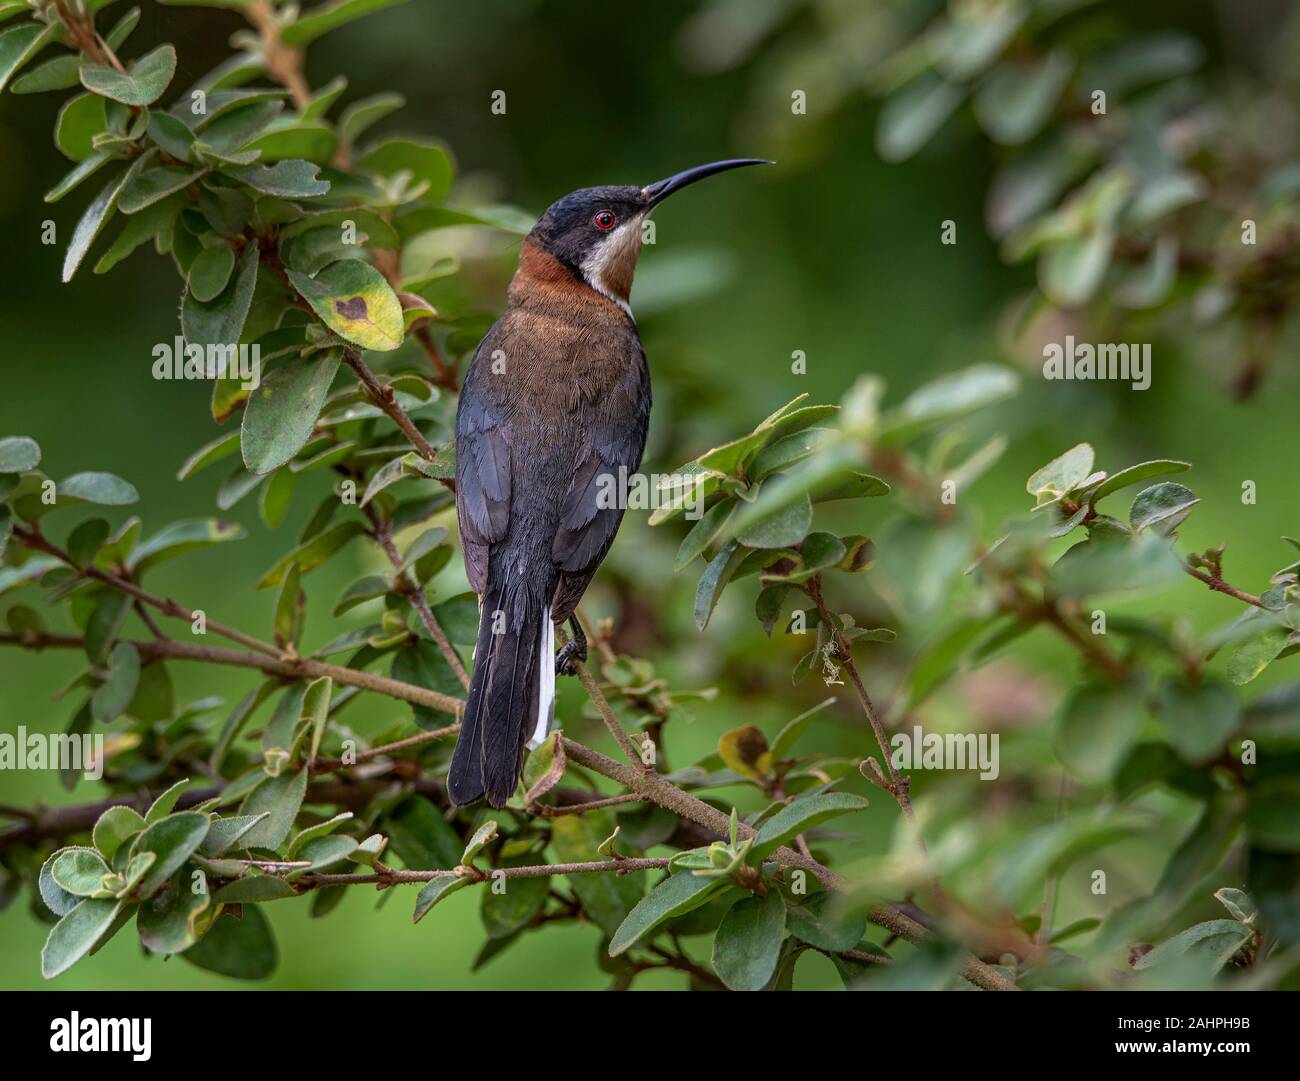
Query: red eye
column 604, row 219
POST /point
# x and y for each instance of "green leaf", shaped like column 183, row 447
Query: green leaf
column 85, row 541
column 80, row 119
column 180, row 538
column 117, row 691
column 221, row 321
column 326, row 17
column 421, row 662
column 92, row 221
column 1162, row 508
column 282, row 796
column 152, row 186
column 1213, row 943
column 826, row 922
column 792, row 730
column 18, row 454
column 748, row 943
column 422, row 837
column 173, row 840
column 799, row 816
column 1061, row 475
column 114, row 827
column 20, row 43
column 434, row 891
column 220, row 448
column 674, row 896
column 104, row 489
column 225, row 833
column 210, row 272
column 168, row 921
column 1096, row 567
column 313, row 553
column 1199, row 717
column 1251, row 656
column 1135, row 473
column 323, row 852
column 58, row 900
column 426, row 161
column 361, row 115
column 503, row 913
column 79, row 871
column 61, row 73
column 356, row 302
column 282, row 410
column 946, row 399
column 1097, row 727
column 162, row 806
column 312, row 833
column 606, row 898
column 242, row 948
column 1239, row 904
column 912, row 115
column 142, row 83
column 280, row 734
column 785, row 528
column 76, row 934
column 290, row 179
column 1014, row 102
column 290, row 609
column 714, row 580
column 1072, row 270
column 316, row 711
column 483, row 836
column 104, row 625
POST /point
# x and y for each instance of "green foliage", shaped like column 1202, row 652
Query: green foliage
column 295, row 230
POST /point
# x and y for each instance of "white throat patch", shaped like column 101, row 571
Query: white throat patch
column 610, row 267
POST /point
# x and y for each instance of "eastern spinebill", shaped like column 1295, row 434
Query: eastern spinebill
column 555, row 403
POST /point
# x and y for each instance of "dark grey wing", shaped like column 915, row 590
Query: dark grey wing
column 482, row 475
column 588, row 522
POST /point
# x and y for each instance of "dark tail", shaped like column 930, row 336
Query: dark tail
column 505, row 694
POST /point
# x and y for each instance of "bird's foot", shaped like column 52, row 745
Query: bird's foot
column 571, row 654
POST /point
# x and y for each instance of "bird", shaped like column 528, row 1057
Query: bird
column 554, row 408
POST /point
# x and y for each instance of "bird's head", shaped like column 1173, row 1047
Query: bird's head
column 596, row 232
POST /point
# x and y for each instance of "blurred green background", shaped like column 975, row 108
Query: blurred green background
column 832, row 252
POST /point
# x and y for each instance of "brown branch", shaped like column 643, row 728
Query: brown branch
column 413, row 592
column 559, row 811
column 390, row 877
column 31, row 538
column 1216, row 583
column 382, row 396
column 602, row 706
column 898, row 786
column 329, row 765
column 289, row 669
column 283, row 62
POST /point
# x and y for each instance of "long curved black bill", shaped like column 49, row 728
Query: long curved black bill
column 660, row 190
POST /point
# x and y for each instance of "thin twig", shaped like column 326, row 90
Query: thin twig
column 382, row 395
column 290, row 669
column 414, row 593
column 31, row 538
column 1220, row 586
column 602, row 706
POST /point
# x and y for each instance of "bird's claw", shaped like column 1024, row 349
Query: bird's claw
column 570, row 655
